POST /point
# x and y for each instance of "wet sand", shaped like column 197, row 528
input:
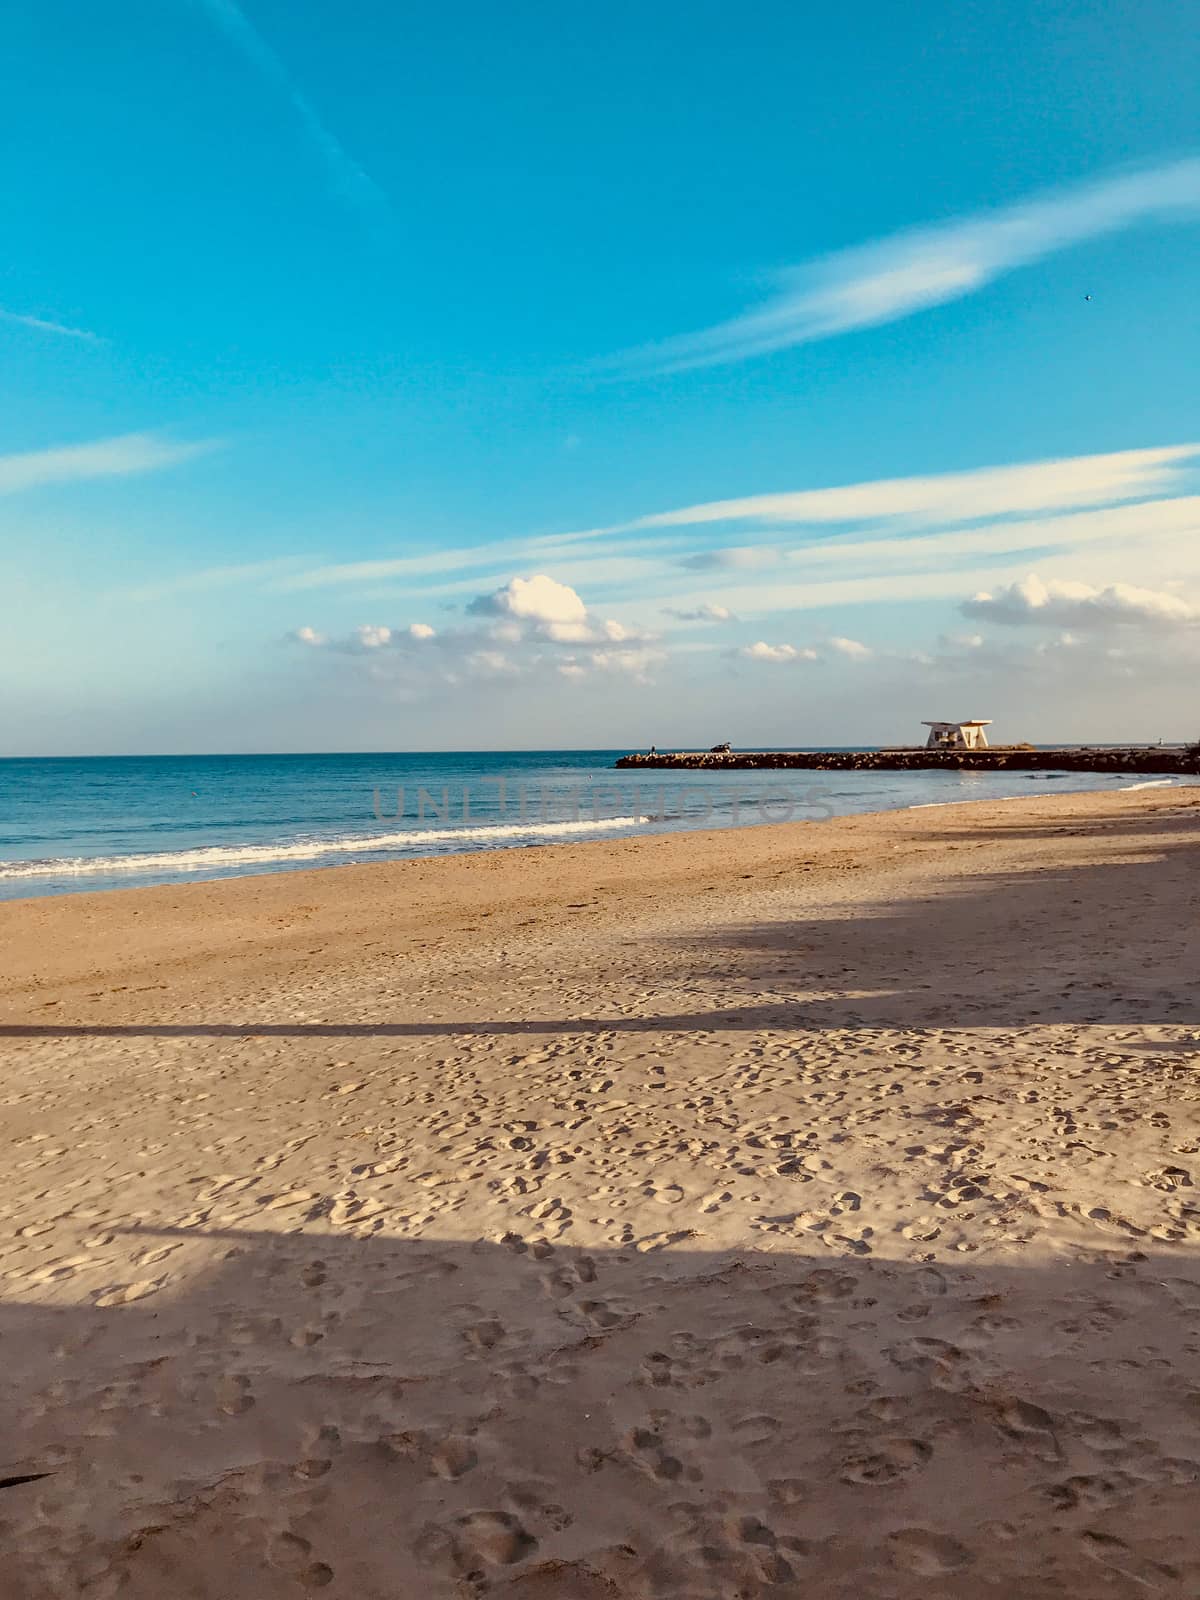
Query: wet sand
column 807, row 1210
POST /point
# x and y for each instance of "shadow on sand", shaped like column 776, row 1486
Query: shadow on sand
column 378, row 1419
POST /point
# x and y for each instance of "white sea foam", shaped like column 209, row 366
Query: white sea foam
column 981, row 800
column 1152, row 783
column 220, row 857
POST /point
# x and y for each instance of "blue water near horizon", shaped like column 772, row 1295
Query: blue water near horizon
column 69, row 824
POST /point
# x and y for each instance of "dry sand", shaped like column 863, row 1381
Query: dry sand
column 801, row 1211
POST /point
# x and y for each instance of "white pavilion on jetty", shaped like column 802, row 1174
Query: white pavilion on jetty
column 957, row 735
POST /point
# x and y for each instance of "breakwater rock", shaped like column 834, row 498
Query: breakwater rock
column 1000, row 758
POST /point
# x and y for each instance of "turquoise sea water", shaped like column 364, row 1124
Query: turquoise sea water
column 88, row 823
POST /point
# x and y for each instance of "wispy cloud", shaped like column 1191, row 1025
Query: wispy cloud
column 738, row 558
column 893, row 540
column 123, row 456
column 45, row 325
column 953, row 496
column 907, row 272
column 244, row 573
column 351, row 183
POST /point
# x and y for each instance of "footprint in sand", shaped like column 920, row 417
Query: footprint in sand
column 233, row 1395
column 893, row 1459
column 1092, row 1492
column 1031, row 1426
column 454, row 1458
column 1115, row 1553
column 123, row 1294
column 293, row 1554
column 496, row 1537
column 485, row 1335
column 926, row 1553
column 648, row 1451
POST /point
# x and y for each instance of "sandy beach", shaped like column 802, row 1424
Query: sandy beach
column 794, row 1211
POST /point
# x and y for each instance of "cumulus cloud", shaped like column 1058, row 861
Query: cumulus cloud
column 850, row 648
column 551, row 611
column 1061, row 604
column 518, row 629
column 891, row 278
column 369, row 638
column 549, row 607
column 761, row 651
column 702, row 613
column 538, row 599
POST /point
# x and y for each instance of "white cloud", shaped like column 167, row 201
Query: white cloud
column 761, row 651
column 961, row 641
column 568, row 632
column 632, row 663
column 850, row 647
column 490, row 664
column 637, row 663
column 1063, row 604
column 371, row 636
column 553, row 610
column 928, row 266
column 519, row 630
column 707, row 612
column 349, row 180
column 123, row 456
column 538, row 599
column 946, row 497
column 45, row 325
column 1083, row 500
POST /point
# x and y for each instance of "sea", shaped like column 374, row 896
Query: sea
column 107, row 822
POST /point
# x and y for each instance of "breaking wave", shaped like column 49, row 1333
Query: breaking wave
column 218, row 857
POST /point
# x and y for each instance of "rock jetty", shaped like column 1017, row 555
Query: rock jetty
column 999, row 758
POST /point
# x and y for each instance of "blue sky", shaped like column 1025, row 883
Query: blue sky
column 416, row 377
